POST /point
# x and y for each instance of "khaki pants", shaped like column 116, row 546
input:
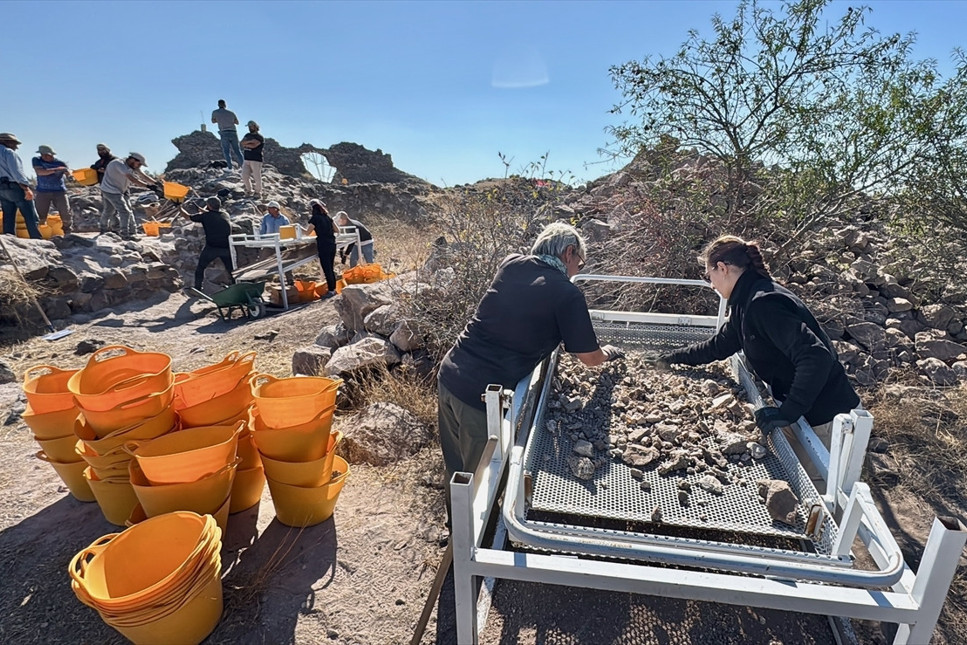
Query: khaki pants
column 43, row 202
column 252, row 170
column 463, row 435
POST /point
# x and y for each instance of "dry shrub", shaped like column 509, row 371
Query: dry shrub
column 400, row 246
column 402, row 386
column 16, row 298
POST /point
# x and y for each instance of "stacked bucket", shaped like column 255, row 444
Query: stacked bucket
column 51, row 414
column 220, row 395
column 292, row 427
column 124, row 397
column 158, row 582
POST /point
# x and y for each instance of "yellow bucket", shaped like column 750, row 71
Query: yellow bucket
column 150, row 428
column 52, row 424
column 192, row 622
column 72, row 474
column 135, row 412
column 60, row 449
column 308, row 441
column 188, row 455
column 116, row 459
column 226, row 406
column 303, row 473
column 85, row 176
column 206, row 383
column 247, row 489
column 154, row 229
column 292, row 401
column 116, row 375
column 287, row 232
column 115, row 496
column 297, row 506
column 205, row 495
column 248, row 452
column 175, row 192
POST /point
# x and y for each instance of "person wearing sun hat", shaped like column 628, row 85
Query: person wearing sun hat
column 15, row 191
column 51, row 186
column 114, row 190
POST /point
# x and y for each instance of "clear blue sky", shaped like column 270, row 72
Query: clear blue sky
column 441, row 86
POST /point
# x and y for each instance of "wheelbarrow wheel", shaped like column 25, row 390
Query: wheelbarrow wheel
column 256, row 309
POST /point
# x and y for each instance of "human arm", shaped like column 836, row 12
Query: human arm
column 723, row 344
column 214, row 120
column 601, row 355
column 142, row 179
column 249, row 142
column 44, row 172
column 13, row 168
column 264, row 226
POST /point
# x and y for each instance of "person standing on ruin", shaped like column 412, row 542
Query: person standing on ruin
column 218, row 230
column 226, row 121
column 252, row 144
column 118, row 177
column 326, row 230
column 104, row 157
column 51, row 186
column 15, row 191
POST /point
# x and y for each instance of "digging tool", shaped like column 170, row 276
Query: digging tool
column 54, row 334
column 441, row 574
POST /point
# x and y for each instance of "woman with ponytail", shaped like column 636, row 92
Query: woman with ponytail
column 783, row 343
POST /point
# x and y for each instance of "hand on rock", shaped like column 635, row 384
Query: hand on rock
column 769, row 419
column 612, row 353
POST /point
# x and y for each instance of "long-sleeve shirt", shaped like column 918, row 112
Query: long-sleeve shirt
column 271, row 224
column 11, row 167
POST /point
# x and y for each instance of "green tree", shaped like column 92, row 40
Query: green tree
column 833, row 108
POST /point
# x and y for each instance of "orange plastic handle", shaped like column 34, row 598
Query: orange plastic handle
column 50, row 370
column 79, row 563
column 265, row 378
column 98, row 356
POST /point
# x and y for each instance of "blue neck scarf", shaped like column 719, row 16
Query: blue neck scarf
column 553, row 261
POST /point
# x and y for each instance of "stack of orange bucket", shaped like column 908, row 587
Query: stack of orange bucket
column 50, row 414
column 292, row 427
column 220, row 394
column 122, row 395
column 189, row 470
column 158, row 582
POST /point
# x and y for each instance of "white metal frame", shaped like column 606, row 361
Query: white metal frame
column 892, row 594
column 347, row 235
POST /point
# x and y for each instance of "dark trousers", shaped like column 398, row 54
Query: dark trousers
column 12, row 197
column 208, row 255
column 327, row 258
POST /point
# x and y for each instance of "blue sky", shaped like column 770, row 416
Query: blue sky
column 441, row 86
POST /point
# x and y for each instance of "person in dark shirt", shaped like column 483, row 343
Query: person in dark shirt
column 530, row 308
column 325, row 228
column 104, row 157
column 365, row 241
column 783, row 343
column 218, row 228
column 252, row 145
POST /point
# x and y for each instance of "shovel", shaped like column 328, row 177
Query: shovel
column 54, row 334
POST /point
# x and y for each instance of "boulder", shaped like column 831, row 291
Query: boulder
column 937, row 316
column 6, row 373
column 310, row 360
column 333, row 336
column 937, row 372
column 945, row 350
column 33, row 257
column 382, row 320
column 382, row 434
column 369, row 352
column 359, row 300
column 867, row 334
column 779, row 499
column 407, row 337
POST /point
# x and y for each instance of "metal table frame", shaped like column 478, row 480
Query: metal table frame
column 347, row 235
column 712, row 571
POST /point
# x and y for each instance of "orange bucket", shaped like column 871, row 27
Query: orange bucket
column 114, row 460
column 205, row 495
column 72, row 474
column 116, row 374
column 299, row 507
column 226, row 406
column 292, row 401
column 306, row 442
column 247, row 489
column 150, row 428
column 115, row 496
column 303, row 473
column 46, row 389
column 188, row 455
column 205, row 383
column 60, row 449
column 248, row 452
column 193, row 620
column 130, row 413
column 50, row 425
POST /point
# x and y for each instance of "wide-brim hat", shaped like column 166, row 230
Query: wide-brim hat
column 46, row 150
column 139, row 157
column 6, row 136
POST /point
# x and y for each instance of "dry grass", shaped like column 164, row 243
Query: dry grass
column 400, row 246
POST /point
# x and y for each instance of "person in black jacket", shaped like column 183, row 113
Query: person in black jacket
column 104, row 157
column 326, row 231
column 218, row 228
column 783, row 343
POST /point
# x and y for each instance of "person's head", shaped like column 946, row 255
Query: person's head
column 253, row 126
column 103, row 150
column 221, row 103
column 342, row 218
column 213, row 203
column 727, row 258
column 136, row 160
column 562, row 241
column 318, row 208
column 9, row 140
column 273, row 207
column 46, row 153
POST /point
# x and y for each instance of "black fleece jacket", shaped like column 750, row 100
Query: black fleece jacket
column 784, row 346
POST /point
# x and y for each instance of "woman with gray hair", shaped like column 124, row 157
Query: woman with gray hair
column 530, row 308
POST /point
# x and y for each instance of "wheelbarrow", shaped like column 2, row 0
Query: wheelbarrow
column 245, row 297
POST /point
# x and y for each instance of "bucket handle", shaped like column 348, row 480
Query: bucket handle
column 248, row 357
column 99, row 355
column 138, row 401
column 50, row 369
column 131, row 382
column 79, row 563
column 131, row 446
column 258, row 380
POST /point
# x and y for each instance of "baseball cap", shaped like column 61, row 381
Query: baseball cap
column 6, row 136
column 273, row 204
column 139, row 157
column 253, row 123
column 46, row 150
column 103, row 145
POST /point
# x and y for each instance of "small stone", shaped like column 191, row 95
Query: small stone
column 584, row 448
column 711, row 484
column 581, row 467
column 645, row 485
column 757, row 450
column 779, row 499
column 637, row 474
column 88, row 346
column 684, row 485
column 683, row 497
column 656, row 515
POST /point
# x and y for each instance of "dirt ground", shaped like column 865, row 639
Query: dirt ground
column 360, row 578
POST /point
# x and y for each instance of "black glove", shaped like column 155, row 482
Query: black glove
column 658, row 361
column 768, row 419
column 612, row 353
